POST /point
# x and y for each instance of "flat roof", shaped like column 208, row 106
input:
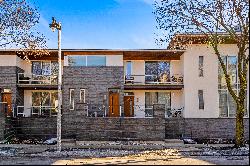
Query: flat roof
column 128, row 54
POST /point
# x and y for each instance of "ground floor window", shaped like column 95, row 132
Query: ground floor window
column 152, row 98
column 44, row 102
column 201, row 99
column 227, row 105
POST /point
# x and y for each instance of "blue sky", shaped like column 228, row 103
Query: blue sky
column 97, row 24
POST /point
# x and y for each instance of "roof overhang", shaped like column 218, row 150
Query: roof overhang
column 137, row 54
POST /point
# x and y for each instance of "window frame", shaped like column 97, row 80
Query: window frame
column 41, row 63
column 126, row 68
column 235, row 88
column 70, row 99
column 84, row 97
column 201, row 101
column 86, row 64
column 201, row 66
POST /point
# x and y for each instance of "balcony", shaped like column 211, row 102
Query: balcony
column 153, row 82
column 36, row 81
column 35, row 111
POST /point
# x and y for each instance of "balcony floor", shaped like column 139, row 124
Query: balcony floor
column 37, row 86
column 153, row 87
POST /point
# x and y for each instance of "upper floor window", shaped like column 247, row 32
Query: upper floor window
column 128, row 68
column 87, row 60
column 157, row 71
column 45, row 67
column 201, row 61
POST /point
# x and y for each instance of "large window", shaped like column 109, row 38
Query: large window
column 157, row 71
column 44, row 98
column 87, row 60
column 44, row 103
column 152, row 98
column 227, row 106
column 45, row 67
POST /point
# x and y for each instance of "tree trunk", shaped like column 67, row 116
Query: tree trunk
column 240, row 125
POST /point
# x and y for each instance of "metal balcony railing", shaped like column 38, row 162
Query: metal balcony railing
column 37, row 79
column 154, row 79
column 35, row 111
column 143, row 111
column 174, row 112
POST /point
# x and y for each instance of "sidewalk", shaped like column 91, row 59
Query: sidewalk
column 130, row 152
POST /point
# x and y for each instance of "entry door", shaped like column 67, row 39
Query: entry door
column 6, row 97
column 114, row 104
column 129, row 106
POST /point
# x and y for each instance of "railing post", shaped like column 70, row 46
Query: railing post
column 18, row 78
column 87, row 110
column 13, row 112
column 50, row 111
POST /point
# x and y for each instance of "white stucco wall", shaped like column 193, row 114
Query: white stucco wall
column 66, row 61
column 138, row 68
column 27, row 102
column 208, row 83
column 8, row 60
column 114, row 60
column 176, row 67
column 177, row 99
column 25, row 65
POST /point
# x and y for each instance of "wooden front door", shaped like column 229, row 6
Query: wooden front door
column 114, row 110
column 6, row 97
column 128, row 106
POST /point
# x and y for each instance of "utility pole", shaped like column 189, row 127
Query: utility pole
column 54, row 25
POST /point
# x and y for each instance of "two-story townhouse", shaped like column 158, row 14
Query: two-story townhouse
column 123, row 83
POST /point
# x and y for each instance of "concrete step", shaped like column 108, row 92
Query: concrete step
column 173, row 141
column 68, row 142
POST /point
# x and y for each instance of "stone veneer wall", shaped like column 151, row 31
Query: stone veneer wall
column 99, row 128
column 75, row 125
column 2, row 124
column 8, row 80
column 204, row 128
column 36, row 127
column 96, row 81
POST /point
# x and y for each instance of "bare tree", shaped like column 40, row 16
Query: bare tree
column 217, row 22
column 17, row 21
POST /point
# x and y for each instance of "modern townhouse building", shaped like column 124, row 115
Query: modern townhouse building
column 188, row 84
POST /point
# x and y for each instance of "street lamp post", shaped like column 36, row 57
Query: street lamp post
column 54, row 25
